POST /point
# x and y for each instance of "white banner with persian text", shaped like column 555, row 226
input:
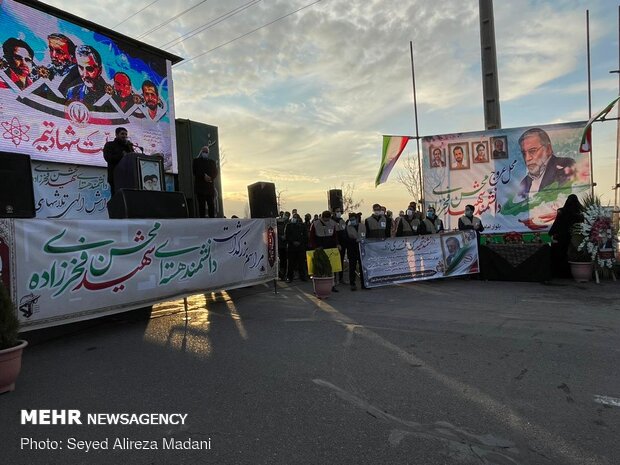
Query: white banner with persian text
column 77, row 269
column 417, row 258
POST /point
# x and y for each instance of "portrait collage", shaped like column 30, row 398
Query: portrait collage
column 457, row 155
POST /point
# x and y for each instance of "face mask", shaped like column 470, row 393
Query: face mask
column 409, row 212
column 286, row 217
column 469, row 213
column 204, row 154
column 430, row 215
column 352, row 222
column 293, row 220
column 377, row 212
column 338, row 215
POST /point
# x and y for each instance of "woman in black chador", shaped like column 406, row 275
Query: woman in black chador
column 570, row 214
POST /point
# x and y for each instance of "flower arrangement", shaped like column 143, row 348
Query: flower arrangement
column 596, row 233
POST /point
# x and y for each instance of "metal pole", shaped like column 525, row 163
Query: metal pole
column 417, row 131
column 589, row 94
column 617, row 125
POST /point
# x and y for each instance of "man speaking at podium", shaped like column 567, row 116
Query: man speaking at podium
column 205, row 172
column 114, row 151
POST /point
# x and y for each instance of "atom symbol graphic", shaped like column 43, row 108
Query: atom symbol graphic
column 15, row 131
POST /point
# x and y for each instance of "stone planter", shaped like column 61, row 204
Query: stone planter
column 10, row 365
column 582, row 271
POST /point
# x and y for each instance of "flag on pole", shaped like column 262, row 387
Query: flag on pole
column 393, row 146
column 586, row 136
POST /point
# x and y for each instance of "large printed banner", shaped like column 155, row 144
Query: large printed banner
column 64, row 90
column 417, row 258
column 66, row 271
column 515, row 178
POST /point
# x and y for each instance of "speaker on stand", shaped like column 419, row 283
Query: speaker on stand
column 16, row 192
column 263, row 202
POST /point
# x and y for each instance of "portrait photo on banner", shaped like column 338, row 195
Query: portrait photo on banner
column 437, row 157
column 480, row 151
column 459, row 156
column 499, row 146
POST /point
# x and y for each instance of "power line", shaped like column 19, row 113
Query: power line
column 131, row 16
column 211, row 23
column 168, row 21
column 246, row 34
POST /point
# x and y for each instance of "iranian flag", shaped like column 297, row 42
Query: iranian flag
column 586, row 136
column 393, row 146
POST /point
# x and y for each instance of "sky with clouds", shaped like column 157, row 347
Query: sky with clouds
column 304, row 101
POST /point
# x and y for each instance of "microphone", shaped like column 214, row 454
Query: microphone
column 137, row 147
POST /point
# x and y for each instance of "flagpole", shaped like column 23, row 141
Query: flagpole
column 417, row 132
column 589, row 95
column 618, row 123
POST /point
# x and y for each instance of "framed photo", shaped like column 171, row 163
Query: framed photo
column 451, row 244
column 150, row 173
column 459, row 156
column 480, row 151
column 499, row 147
column 437, row 157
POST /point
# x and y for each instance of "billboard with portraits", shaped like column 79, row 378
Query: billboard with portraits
column 65, row 88
column 516, row 179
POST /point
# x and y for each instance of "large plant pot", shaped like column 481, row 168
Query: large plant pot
column 323, row 286
column 582, row 271
column 10, row 365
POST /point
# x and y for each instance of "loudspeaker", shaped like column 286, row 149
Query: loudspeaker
column 16, row 192
column 263, row 203
column 132, row 203
column 334, row 197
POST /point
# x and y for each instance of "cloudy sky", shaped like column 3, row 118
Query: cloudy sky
column 303, row 102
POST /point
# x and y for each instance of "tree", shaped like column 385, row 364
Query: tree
column 280, row 198
column 409, row 176
column 349, row 203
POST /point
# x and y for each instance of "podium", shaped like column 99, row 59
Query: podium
column 139, row 171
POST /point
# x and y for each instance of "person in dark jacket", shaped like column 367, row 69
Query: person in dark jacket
column 469, row 221
column 296, row 238
column 376, row 225
column 409, row 224
column 354, row 237
column 561, row 232
column 113, row 153
column 342, row 239
column 205, row 171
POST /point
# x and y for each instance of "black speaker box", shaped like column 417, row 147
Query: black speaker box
column 334, row 197
column 132, row 203
column 16, row 192
column 263, row 203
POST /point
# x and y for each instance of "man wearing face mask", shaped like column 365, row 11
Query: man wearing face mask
column 281, row 223
column 432, row 224
column 376, row 225
column 469, row 221
column 205, row 171
column 353, row 231
column 409, row 224
column 296, row 237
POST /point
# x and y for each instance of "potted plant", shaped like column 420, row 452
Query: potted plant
column 579, row 260
column 10, row 346
column 322, row 276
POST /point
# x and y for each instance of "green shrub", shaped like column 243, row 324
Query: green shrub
column 574, row 254
column 321, row 266
column 9, row 324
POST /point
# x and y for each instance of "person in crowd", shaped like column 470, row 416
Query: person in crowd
column 281, row 223
column 561, row 231
column 543, row 167
column 376, row 225
column 150, row 93
column 469, row 221
column 316, row 217
column 453, row 245
column 308, row 221
column 122, row 91
column 353, row 230
column 90, row 70
column 324, row 233
column 296, row 238
column 498, row 151
column 341, row 230
column 414, row 206
column 20, row 59
column 409, row 225
column 63, row 62
column 205, row 172
column 432, row 224
column 114, row 151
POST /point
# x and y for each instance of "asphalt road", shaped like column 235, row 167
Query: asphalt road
column 445, row 372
